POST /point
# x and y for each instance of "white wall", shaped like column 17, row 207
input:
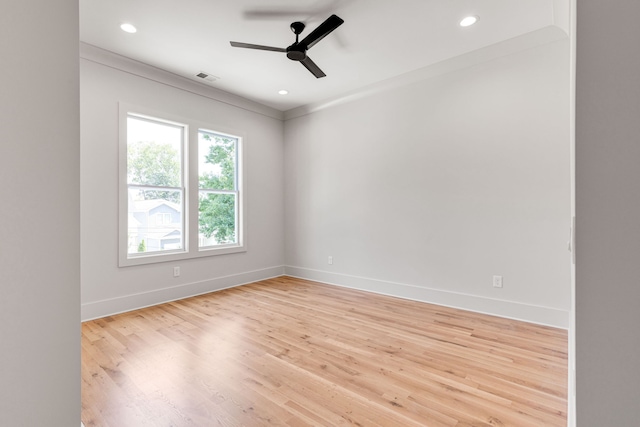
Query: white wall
column 39, row 171
column 107, row 289
column 608, row 213
column 562, row 10
column 428, row 190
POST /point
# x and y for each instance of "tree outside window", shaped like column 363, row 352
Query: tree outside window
column 159, row 159
column 218, row 190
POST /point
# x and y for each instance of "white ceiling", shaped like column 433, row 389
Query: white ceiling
column 379, row 40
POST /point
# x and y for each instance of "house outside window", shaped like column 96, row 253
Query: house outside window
column 163, row 218
column 155, row 184
column 180, row 189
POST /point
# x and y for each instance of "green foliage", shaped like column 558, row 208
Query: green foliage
column 142, row 247
column 217, row 211
column 150, row 163
column 217, row 217
column 221, row 154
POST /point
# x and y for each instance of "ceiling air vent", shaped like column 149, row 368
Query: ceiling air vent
column 207, row 77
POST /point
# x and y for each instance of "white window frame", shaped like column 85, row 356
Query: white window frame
column 235, row 192
column 190, row 192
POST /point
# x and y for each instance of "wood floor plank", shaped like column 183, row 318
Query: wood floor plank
column 292, row 352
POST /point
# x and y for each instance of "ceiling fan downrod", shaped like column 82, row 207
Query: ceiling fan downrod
column 297, row 52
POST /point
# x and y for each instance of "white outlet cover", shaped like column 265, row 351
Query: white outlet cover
column 497, row 281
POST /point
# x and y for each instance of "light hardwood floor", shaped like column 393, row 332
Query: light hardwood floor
column 292, row 352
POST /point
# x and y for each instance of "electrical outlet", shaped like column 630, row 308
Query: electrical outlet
column 330, row 260
column 497, row 281
column 176, row 271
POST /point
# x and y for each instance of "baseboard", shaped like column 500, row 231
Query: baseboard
column 508, row 309
column 108, row 307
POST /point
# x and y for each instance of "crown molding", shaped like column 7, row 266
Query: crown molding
column 521, row 43
column 109, row 59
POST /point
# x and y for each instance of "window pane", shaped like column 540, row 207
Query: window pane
column 154, row 221
column 216, row 161
column 217, row 219
column 153, row 153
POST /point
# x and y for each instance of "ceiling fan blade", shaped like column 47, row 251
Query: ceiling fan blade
column 258, row 46
column 330, row 24
column 311, row 66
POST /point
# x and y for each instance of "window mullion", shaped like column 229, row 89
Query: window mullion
column 214, row 191
column 155, row 187
column 192, row 180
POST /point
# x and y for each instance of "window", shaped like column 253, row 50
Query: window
column 218, row 189
column 180, row 189
column 154, row 185
column 163, row 218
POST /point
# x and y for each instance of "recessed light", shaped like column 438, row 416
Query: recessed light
column 283, row 92
column 468, row 21
column 128, row 28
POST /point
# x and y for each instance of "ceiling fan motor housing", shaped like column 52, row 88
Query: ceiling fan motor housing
column 295, row 52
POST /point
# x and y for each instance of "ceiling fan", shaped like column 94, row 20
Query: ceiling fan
column 298, row 50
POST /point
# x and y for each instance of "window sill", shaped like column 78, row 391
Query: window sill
column 146, row 259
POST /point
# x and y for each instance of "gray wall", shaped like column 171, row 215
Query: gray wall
column 39, row 172
column 608, row 213
column 428, row 190
column 107, row 80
